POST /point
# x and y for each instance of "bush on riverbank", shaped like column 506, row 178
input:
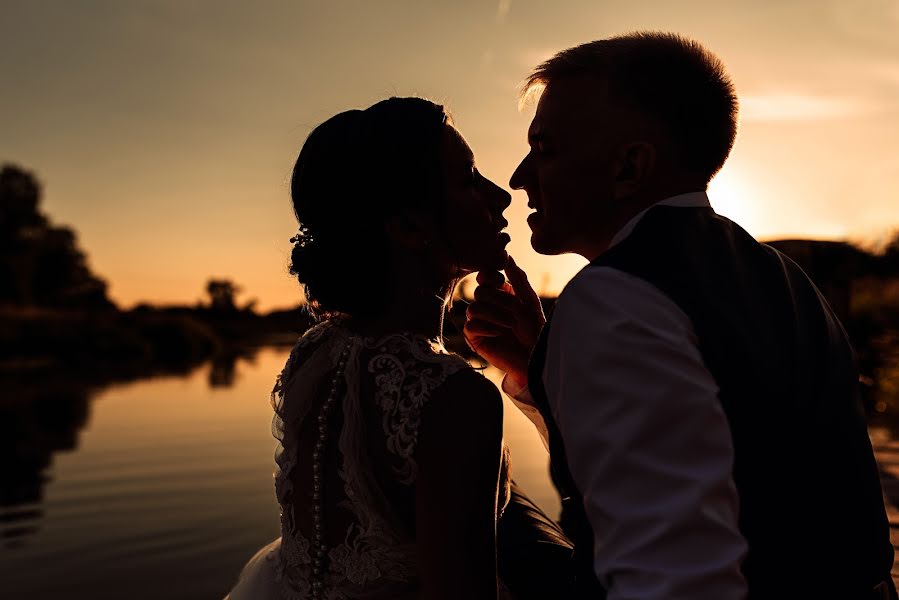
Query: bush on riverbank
column 110, row 341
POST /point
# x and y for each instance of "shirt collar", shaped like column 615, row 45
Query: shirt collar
column 688, row 200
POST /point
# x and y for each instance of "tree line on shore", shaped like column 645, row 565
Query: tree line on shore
column 56, row 313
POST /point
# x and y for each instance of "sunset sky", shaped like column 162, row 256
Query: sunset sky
column 164, row 131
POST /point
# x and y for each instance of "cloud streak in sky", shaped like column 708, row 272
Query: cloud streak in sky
column 789, row 106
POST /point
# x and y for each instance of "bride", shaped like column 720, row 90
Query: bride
column 391, row 470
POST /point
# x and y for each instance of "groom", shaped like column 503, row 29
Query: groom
column 697, row 394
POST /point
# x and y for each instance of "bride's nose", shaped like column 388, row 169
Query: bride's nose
column 502, row 198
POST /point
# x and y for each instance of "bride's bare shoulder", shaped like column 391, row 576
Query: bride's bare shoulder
column 466, row 397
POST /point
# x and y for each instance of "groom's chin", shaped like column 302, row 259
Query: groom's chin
column 544, row 244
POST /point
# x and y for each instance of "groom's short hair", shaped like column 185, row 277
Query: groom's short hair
column 673, row 80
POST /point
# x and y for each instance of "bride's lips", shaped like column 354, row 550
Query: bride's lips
column 501, row 236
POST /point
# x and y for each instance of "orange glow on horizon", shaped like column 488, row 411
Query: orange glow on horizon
column 164, row 132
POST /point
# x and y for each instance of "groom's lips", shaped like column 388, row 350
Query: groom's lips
column 535, row 216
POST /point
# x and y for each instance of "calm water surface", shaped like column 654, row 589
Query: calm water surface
column 160, row 488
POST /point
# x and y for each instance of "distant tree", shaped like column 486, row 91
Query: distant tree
column 889, row 257
column 250, row 305
column 19, row 197
column 222, row 293
column 40, row 265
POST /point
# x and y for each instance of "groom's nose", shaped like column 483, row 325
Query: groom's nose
column 519, row 176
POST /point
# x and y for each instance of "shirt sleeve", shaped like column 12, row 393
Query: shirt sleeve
column 523, row 401
column 647, row 441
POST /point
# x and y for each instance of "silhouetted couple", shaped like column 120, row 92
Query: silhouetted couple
column 696, row 393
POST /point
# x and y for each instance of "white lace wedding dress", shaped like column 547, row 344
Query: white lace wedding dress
column 367, row 468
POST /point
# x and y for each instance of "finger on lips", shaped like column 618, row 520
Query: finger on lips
column 518, row 279
column 513, row 266
column 516, row 275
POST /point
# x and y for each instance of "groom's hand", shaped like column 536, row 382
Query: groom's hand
column 504, row 321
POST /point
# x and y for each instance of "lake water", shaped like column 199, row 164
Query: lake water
column 159, row 488
column 162, row 488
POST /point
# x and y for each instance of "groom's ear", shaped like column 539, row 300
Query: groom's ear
column 407, row 231
column 636, row 161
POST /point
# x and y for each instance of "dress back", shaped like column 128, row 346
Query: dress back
column 360, row 499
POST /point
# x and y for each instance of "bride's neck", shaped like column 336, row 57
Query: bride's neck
column 414, row 310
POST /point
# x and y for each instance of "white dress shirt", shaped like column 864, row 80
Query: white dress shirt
column 647, row 442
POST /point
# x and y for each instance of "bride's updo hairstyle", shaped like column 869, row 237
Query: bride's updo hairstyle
column 354, row 171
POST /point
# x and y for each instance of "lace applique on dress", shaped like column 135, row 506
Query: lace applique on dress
column 406, row 371
column 376, row 555
column 312, row 335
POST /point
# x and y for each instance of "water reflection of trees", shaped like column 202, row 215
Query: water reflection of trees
column 35, row 425
column 223, row 370
column 43, row 418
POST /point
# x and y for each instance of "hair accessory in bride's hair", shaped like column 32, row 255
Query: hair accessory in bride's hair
column 303, row 238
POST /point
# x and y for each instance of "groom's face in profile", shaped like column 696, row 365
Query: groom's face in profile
column 569, row 174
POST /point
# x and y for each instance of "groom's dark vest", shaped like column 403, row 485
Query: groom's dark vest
column 811, row 506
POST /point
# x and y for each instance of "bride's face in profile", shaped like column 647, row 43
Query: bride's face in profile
column 474, row 209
